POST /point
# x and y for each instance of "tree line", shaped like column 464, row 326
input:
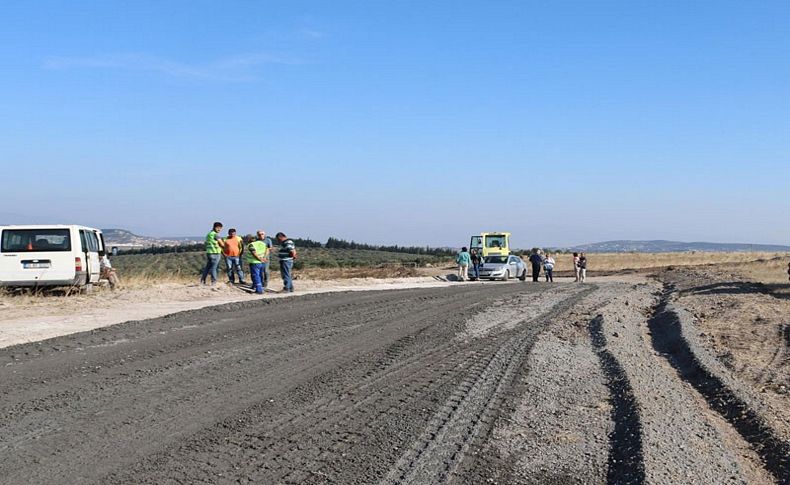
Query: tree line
column 336, row 243
column 331, row 243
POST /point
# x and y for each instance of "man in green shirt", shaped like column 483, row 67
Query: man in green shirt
column 214, row 245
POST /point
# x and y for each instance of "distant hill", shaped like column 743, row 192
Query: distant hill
column 659, row 246
column 127, row 239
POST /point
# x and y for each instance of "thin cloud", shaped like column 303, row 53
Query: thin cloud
column 313, row 34
column 239, row 68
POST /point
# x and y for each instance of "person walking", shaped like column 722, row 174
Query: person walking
column 582, row 268
column 213, row 253
column 477, row 262
column 255, row 257
column 286, row 255
column 463, row 259
column 266, row 270
column 233, row 249
column 576, row 266
column 536, row 260
column 548, row 268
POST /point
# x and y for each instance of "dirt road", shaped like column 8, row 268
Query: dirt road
column 493, row 383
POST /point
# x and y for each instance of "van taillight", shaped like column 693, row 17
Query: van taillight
column 77, row 264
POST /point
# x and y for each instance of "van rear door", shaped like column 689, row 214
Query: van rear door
column 90, row 251
column 36, row 256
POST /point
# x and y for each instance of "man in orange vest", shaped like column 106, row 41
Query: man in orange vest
column 232, row 250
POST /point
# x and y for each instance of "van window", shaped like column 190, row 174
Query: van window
column 93, row 242
column 35, row 240
column 495, row 241
column 102, row 245
column 90, row 243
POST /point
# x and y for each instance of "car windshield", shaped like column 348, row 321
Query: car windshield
column 35, row 240
column 496, row 259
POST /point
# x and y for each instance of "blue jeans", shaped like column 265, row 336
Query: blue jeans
column 234, row 266
column 265, row 275
column 255, row 274
column 285, row 271
column 212, row 263
column 476, row 270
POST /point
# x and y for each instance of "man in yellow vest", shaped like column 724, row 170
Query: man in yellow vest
column 233, row 249
column 256, row 254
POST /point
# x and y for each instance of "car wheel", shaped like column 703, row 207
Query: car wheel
column 507, row 276
column 523, row 276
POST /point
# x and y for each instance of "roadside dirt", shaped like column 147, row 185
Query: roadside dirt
column 607, row 382
column 745, row 324
column 29, row 318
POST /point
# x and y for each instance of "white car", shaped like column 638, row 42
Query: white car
column 51, row 255
column 501, row 268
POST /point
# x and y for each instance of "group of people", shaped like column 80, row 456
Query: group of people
column 538, row 260
column 472, row 259
column 255, row 251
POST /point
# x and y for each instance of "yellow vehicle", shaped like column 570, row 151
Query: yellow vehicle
column 491, row 243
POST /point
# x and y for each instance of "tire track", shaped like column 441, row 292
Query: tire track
column 161, row 398
column 470, row 411
column 668, row 339
column 429, row 369
column 626, row 459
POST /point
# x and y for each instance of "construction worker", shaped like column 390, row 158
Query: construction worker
column 213, row 252
column 286, row 255
column 265, row 271
column 233, row 249
column 255, row 256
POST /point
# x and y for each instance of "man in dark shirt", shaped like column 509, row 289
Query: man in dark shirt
column 537, row 260
column 286, row 255
column 477, row 262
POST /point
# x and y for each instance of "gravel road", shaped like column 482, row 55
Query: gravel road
column 497, row 383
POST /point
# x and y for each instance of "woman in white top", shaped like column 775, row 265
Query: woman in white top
column 548, row 267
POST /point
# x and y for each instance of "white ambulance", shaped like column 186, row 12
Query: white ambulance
column 50, row 255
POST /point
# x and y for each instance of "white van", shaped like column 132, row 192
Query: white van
column 50, row 255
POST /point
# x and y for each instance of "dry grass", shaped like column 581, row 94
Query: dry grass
column 147, row 280
column 764, row 270
column 384, row 272
column 626, row 261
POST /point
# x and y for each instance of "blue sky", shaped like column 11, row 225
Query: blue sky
column 402, row 121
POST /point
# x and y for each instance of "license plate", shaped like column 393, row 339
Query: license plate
column 35, row 265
